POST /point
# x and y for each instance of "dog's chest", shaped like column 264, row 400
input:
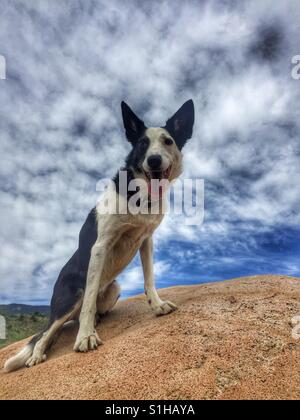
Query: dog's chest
column 132, row 239
column 126, row 248
column 135, row 237
column 139, row 228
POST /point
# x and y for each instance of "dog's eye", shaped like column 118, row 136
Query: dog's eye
column 169, row 142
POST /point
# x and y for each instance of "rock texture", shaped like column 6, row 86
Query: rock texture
column 229, row 340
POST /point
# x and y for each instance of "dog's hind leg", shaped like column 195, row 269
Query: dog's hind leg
column 64, row 307
column 41, row 343
column 45, row 340
column 35, row 351
column 107, row 299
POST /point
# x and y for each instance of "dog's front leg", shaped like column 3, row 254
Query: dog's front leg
column 87, row 338
column 159, row 307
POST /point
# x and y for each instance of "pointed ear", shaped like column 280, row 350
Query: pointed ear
column 180, row 126
column 134, row 127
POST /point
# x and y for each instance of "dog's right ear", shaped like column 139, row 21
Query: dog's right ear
column 134, row 127
column 180, row 126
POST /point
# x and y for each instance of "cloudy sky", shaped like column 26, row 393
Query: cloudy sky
column 71, row 63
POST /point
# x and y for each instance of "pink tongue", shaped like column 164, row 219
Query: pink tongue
column 155, row 194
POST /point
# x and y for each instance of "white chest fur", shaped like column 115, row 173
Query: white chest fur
column 130, row 231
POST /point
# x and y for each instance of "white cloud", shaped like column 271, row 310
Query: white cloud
column 68, row 68
column 133, row 279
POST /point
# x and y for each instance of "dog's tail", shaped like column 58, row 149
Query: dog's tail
column 19, row 361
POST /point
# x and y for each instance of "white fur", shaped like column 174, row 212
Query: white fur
column 39, row 353
column 296, row 329
column 120, row 236
column 107, row 300
column 170, row 153
column 296, row 320
column 159, row 307
column 34, row 354
column 19, row 360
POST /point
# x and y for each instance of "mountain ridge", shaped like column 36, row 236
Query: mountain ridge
column 23, row 309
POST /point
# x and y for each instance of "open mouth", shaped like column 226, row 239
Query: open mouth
column 159, row 174
column 156, row 192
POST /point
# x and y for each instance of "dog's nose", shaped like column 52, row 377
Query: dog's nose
column 154, row 162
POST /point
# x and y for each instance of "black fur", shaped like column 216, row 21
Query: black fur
column 135, row 133
column 133, row 163
column 72, row 278
column 137, row 155
column 180, row 126
column 71, row 281
column 134, row 127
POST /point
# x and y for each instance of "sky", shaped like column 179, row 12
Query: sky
column 69, row 66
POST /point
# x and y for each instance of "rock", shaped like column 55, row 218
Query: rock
column 228, row 340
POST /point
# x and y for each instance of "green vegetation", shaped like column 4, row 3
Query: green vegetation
column 22, row 326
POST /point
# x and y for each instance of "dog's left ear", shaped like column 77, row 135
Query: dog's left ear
column 180, row 126
column 133, row 125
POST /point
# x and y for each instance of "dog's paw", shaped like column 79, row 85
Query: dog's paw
column 35, row 360
column 164, row 308
column 87, row 343
column 296, row 330
column 296, row 320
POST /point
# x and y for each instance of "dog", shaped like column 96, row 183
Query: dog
column 86, row 287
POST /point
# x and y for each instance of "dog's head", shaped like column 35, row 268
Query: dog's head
column 156, row 151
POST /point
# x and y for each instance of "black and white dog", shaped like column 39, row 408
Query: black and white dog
column 86, row 286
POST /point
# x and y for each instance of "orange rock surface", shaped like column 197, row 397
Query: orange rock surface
column 227, row 340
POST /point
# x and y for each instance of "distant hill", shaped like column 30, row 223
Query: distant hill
column 23, row 321
column 18, row 309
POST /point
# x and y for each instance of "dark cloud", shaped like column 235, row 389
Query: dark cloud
column 69, row 65
column 269, row 43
